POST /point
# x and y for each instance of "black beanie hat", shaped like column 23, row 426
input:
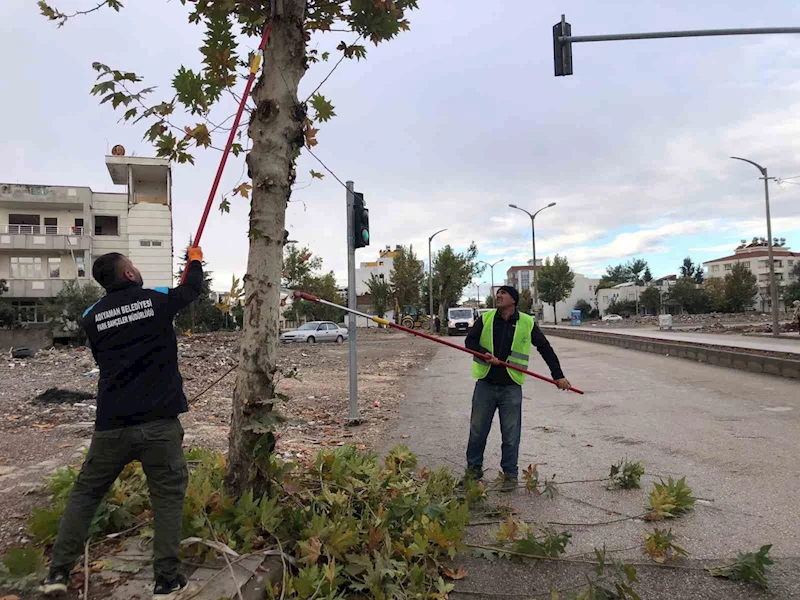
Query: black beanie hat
column 511, row 291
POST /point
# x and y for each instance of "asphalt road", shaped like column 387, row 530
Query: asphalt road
column 734, row 435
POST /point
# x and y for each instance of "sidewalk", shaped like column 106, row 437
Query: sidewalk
column 781, row 344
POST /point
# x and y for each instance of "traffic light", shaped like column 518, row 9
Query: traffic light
column 562, row 51
column 360, row 222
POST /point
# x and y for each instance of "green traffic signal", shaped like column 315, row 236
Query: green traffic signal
column 360, row 221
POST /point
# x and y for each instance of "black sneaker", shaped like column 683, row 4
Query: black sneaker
column 509, row 485
column 56, row 582
column 470, row 475
column 172, row 590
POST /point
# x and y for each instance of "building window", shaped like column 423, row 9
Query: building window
column 728, row 267
column 23, row 224
column 524, row 280
column 26, row 267
column 51, row 225
column 80, row 266
column 150, row 243
column 54, row 267
column 106, row 225
column 29, row 311
column 715, row 268
column 78, row 229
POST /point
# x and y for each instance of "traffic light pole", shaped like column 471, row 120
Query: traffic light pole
column 563, row 39
column 351, row 303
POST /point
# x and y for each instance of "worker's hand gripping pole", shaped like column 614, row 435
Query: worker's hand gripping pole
column 381, row 321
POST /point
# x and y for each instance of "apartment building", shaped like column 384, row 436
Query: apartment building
column 521, row 276
column 52, row 234
column 381, row 268
column 755, row 256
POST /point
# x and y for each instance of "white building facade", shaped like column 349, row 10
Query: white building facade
column 52, row 234
column 755, row 256
column 381, row 268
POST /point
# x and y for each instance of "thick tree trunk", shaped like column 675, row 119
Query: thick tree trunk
column 276, row 129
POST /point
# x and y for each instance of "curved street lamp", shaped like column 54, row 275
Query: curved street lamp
column 430, row 280
column 773, row 284
column 491, row 267
column 533, row 242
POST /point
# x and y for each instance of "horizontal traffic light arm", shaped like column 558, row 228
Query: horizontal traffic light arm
column 574, row 39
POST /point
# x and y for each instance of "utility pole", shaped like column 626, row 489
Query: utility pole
column 430, row 280
column 773, row 284
column 351, row 303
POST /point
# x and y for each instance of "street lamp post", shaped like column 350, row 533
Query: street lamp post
column 773, row 284
column 491, row 268
column 430, row 280
column 533, row 242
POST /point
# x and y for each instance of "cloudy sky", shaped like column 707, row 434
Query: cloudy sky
column 449, row 123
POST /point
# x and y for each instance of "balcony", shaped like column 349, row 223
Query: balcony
column 44, row 237
column 34, row 288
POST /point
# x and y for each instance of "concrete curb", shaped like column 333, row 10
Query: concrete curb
column 734, row 358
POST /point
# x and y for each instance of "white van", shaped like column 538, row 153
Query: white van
column 459, row 320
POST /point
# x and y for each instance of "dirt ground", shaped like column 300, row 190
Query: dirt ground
column 37, row 437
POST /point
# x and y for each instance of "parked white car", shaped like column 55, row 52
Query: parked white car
column 315, row 331
column 612, row 318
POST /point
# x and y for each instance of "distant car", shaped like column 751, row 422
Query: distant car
column 315, row 331
column 612, row 318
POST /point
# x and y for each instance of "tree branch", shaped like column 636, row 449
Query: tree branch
column 316, row 89
column 56, row 15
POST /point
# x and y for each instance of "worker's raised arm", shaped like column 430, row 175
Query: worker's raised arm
column 186, row 293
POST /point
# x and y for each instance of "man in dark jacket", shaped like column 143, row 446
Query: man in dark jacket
column 503, row 335
column 139, row 397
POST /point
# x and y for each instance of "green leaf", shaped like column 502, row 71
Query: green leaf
column 190, row 91
column 326, row 55
column 323, row 107
column 236, row 149
column 200, row 135
column 671, row 499
column 315, row 175
column 130, row 113
column 749, row 566
column 102, row 88
column 19, row 562
column 155, row 130
column 224, row 206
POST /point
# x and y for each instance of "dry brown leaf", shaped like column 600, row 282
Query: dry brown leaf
column 405, row 436
column 310, row 550
column 456, row 575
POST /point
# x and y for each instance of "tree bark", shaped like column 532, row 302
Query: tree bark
column 276, row 130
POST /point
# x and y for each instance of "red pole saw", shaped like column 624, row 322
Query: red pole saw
column 380, row 321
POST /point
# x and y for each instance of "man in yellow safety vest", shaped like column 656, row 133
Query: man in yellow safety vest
column 503, row 334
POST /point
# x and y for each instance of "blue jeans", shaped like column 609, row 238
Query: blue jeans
column 486, row 399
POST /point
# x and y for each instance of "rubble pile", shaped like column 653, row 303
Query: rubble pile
column 56, row 388
column 708, row 322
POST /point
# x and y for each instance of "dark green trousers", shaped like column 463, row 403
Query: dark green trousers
column 158, row 446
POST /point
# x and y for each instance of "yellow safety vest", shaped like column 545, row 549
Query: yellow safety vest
column 520, row 346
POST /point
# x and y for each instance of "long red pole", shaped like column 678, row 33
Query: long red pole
column 310, row 298
column 254, row 66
